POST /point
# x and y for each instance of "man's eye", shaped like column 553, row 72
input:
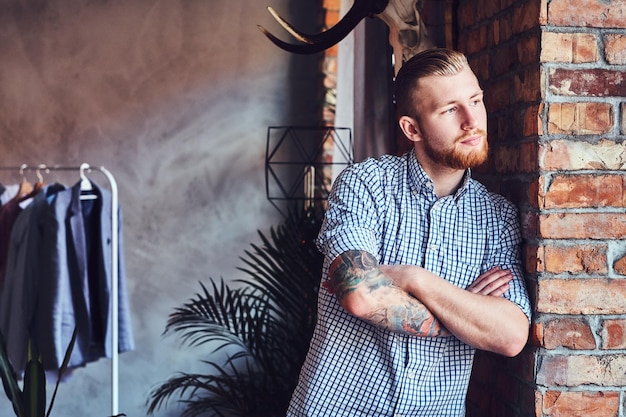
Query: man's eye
column 450, row 110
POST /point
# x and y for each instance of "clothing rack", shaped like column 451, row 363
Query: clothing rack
column 83, row 169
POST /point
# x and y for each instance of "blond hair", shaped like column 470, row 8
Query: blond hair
column 436, row 61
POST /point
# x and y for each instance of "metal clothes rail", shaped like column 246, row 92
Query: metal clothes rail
column 83, row 169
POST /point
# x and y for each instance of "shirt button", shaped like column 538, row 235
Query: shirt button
column 411, row 375
column 434, row 248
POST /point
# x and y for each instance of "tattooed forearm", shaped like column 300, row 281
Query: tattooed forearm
column 392, row 308
column 414, row 319
column 353, row 268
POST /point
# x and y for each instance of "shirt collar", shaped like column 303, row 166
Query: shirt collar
column 419, row 180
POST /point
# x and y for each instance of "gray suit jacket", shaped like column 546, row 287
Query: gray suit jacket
column 74, row 280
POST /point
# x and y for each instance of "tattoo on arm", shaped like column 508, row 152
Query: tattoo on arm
column 354, row 268
column 398, row 311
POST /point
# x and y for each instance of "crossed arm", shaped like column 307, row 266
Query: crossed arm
column 412, row 300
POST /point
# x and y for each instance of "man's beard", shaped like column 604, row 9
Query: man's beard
column 454, row 157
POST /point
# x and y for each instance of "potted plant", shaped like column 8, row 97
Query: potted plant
column 30, row 400
column 265, row 325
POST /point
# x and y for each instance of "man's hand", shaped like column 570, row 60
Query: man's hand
column 494, row 282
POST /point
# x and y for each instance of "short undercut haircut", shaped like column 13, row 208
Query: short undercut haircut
column 436, row 61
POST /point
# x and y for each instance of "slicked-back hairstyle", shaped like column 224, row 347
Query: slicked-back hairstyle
column 436, row 61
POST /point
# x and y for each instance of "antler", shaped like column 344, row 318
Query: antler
column 311, row 44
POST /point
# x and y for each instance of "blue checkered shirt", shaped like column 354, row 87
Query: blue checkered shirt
column 387, row 207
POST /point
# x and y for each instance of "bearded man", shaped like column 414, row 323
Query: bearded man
column 422, row 263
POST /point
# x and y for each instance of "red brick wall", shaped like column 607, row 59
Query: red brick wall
column 554, row 73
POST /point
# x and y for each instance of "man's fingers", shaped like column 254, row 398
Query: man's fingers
column 493, row 282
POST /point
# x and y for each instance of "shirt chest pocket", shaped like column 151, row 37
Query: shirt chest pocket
column 464, row 252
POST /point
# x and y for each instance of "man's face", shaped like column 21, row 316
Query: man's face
column 452, row 120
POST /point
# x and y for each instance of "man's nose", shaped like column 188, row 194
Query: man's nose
column 469, row 119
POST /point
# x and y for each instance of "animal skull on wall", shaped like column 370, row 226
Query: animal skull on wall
column 407, row 32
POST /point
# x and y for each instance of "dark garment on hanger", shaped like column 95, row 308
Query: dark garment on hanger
column 8, row 215
column 19, row 296
column 95, row 263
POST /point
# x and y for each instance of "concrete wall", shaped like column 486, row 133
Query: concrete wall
column 173, row 97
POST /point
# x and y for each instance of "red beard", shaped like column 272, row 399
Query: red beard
column 455, row 157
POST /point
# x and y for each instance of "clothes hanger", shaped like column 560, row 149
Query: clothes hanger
column 86, row 188
column 40, row 183
column 25, row 187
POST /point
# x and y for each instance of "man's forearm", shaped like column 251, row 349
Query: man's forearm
column 364, row 291
column 484, row 320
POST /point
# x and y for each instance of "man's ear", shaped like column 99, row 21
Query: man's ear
column 410, row 128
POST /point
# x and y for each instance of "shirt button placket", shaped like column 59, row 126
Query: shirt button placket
column 433, row 233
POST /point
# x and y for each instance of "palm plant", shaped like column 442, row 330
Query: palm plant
column 265, row 327
column 30, row 400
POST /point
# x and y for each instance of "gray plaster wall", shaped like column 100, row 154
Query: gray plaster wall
column 174, row 97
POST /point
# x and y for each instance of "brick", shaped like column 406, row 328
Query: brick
column 515, row 159
column 613, row 334
column 581, row 296
column 568, row 47
column 593, row 82
column 556, row 47
column 507, row 59
column 532, row 121
column 615, row 48
column 585, row 48
column 526, row 16
column 575, row 370
column 583, row 225
column 533, row 193
column 528, row 50
column 513, row 189
column 476, row 40
column 527, row 86
column 580, row 403
column 575, row 155
column 538, row 410
column 480, row 66
column 505, row 28
column 543, row 13
column 536, row 334
column 494, row 33
column 487, row 9
column 576, row 259
column 585, row 190
column 498, row 94
column 580, row 118
column 589, row 13
column 467, row 14
column 533, row 258
column 620, row 266
column 571, row 333
column 530, row 225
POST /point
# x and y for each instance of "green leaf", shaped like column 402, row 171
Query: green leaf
column 9, row 380
column 66, row 361
column 34, row 388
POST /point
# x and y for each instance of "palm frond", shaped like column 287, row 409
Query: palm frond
column 266, row 326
